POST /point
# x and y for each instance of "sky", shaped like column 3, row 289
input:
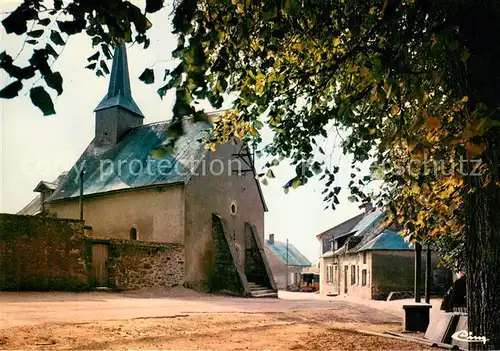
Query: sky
column 34, row 147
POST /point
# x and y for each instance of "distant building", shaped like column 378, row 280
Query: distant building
column 364, row 258
column 278, row 255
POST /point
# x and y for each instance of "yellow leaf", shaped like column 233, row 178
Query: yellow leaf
column 336, row 42
column 474, row 149
column 372, row 10
column 372, row 131
column 394, row 110
column 433, row 122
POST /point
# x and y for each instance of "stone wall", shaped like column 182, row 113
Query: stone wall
column 39, row 253
column 395, row 271
column 134, row 265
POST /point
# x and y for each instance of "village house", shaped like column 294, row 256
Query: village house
column 285, row 259
column 364, row 258
column 130, row 184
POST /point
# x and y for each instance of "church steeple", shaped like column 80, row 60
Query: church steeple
column 117, row 112
column 119, row 93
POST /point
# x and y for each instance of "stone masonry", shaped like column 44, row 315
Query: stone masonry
column 134, row 265
column 39, row 253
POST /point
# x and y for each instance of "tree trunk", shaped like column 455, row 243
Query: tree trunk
column 479, row 23
column 483, row 257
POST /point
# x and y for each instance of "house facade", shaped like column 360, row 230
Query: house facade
column 133, row 183
column 285, row 260
column 367, row 259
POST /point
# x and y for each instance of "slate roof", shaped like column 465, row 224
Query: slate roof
column 119, row 92
column 130, row 164
column 389, row 239
column 295, row 257
column 369, row 222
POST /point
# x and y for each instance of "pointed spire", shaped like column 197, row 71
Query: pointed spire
column 119, row 93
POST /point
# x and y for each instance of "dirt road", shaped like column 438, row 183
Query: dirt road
column 183, row 319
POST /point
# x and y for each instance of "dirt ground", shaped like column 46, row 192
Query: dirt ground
column 184, row 320
column 300, row 330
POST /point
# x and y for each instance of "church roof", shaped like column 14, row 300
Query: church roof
column 119, row 92
column 295, row 257
column 133, row 163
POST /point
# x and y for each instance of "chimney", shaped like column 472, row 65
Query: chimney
column 117, row 112
column 271, row 238
column 368, row 206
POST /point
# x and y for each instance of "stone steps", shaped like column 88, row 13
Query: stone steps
column 257, row 290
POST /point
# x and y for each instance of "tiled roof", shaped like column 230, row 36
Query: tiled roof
column 295, row 257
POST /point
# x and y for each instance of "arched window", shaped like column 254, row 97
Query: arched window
column 133, row 233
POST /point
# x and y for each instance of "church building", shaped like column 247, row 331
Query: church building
column 127, row 185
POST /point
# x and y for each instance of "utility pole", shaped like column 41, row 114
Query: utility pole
column 287, row 264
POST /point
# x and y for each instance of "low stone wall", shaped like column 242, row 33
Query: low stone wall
column 135, row 264
column 39, row 253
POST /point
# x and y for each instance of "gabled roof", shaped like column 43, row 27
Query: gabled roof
column 34, row 207
column 295, row 257
column 389, row 239
column 132, row 162
column 45, row 186
column 119, row 92
column 369, row 222
column 341, row 228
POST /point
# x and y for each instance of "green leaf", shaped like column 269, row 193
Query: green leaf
column 72, row 27
column 55, row 82
column 16, row 22
column 51, row 51
column 148, row 76
column 93, row 57
column 270, row 174
column 337, row 190
column 11, row 90
column 154, row 5
column 56, row 38
column 265, row 182
column 296, row 183
column 35, row 33
column 44, row 21
column 41, row 99
column 105, row 50
column 32, row 41
column 91, row 66
column 104, row 67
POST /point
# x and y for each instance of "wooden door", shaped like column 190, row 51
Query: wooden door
column 100, row 264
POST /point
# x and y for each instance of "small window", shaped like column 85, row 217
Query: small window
column 353, row 274
column 357, row 275
column 133, row 233
column 364, row 257
column 233, row 209
column 363, row 277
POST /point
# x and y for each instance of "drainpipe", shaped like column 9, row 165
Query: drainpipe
column 81, row 195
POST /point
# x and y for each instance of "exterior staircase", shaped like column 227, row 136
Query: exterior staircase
column 261, row 291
